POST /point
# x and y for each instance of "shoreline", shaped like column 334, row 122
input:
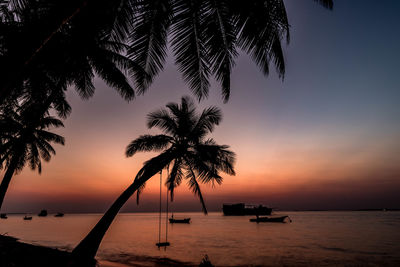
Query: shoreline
column 15, row 253
column 19, row 254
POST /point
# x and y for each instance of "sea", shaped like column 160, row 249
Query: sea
column 313, row 238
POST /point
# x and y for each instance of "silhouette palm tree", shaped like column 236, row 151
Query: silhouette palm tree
column 24, row 138
column 78, row 51
column 184, row 146
column 61, row 35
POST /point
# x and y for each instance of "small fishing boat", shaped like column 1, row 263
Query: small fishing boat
column 162, row 244
column 43, row 213
column 3, row 216
column 280, row 219
column 185, row 220
column 27, row 218
column 59, row 215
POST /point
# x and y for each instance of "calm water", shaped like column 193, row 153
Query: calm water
column 312, row 239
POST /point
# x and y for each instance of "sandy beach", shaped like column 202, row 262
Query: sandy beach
column 14, row 253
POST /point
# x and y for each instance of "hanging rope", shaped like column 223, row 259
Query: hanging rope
column 166, row 218
column 166, row 243
column 159, row 215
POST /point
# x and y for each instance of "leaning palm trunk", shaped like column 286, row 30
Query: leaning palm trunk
column 6, row 180
column 11, row 169
column 87, row 248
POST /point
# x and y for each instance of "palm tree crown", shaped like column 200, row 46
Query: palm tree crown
column 185, row 147
column 25, row 138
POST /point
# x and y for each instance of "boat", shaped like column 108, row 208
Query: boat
column 281, row 219
column 27, row 218
column 59, row 215
column 185, row 220
column 3, row 216
column 162, row 244
column 241, row 209
column 43, row 213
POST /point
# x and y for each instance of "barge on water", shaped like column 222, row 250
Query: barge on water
column 241, row 209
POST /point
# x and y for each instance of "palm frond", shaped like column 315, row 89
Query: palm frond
column 149, row 38
column 221, row 35
column 112, row 75
column 162, row 119
column 190, row 45
column 45, row 148
column 210, row 159
column 148, row 143
column 263, row 25
column 122, row 19
column 209, row 118
column 187, row 105
column 50, row 137
column 6, row 13
column 139, row 191
column 195, row 187
column 219, row 155
column 175, row 177
column 5, row 152
column 206, row 170
column 62, row 106
column 34, row 159
column 50, row 121
column 45, row 152
column 135, row 70
column 184, row 115
column 83, row 81
column 18, row 4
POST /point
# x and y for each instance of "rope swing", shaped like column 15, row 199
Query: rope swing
column 166, row 243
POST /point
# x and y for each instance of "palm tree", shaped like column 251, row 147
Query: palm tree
column 24, row 138
column 77, row 52
column 60, row 36
column 183, row 146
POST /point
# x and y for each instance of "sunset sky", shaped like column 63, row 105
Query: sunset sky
column 326, row 137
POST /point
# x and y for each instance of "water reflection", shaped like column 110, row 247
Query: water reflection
column 314, row 238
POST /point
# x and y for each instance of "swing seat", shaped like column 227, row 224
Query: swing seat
column 163, row 244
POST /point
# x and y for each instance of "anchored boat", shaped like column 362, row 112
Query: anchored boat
column 43, row 213
column 280, row 219
column 185, row 220
column 241, row 209
column 27, row 218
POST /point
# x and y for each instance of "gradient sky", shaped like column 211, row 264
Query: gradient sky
column 327, row 137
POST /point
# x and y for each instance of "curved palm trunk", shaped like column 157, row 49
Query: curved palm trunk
column 87, row 248
column 6, row 180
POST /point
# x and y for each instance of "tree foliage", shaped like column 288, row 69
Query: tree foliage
column 48, row 45
column 185, row 147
